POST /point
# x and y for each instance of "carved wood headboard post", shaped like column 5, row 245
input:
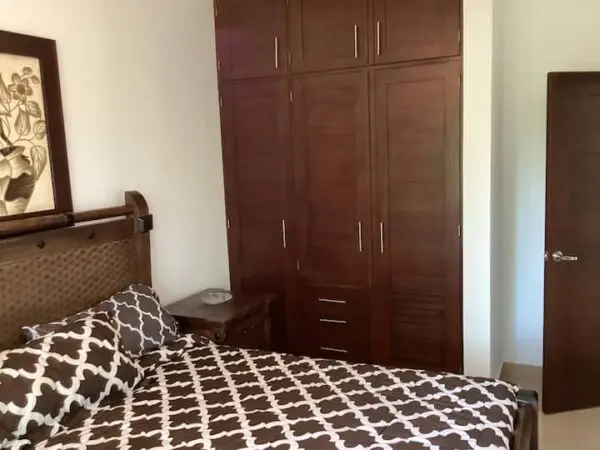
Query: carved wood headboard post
column 143, row 223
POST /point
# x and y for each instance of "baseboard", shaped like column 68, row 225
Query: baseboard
column 499, row 372
column 520, row 370
column 525, row 375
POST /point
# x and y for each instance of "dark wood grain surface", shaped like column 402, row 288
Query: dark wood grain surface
column 239, row 308
column 572, row 296
column 411, row 30
column 328, row 34
column 338, row 320
column 375, row 144
column 244, row 321
column 416, row 116
column 252, row 38
column 256, row 158
column 332, row 178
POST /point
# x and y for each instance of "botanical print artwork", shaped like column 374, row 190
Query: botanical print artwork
column 25, row 173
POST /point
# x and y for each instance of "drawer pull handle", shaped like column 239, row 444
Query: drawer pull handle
column 335, row 350
column 360, row 240
column 355, row 41
column 329, row 300
column 378, row 45
column 341, row 322
column 284, row 233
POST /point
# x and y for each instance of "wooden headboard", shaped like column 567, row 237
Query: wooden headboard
column 79, row 260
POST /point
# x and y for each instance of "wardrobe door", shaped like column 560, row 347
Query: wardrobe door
column 328, row 34
column 331, row 163
column 418, row 311
column 406, row 30
column 251, row 38
column 256, row 163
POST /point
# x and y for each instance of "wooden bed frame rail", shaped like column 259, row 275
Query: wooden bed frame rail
column 54, row 221
column 526, row 429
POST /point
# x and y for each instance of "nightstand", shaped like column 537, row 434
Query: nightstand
column 244, row 321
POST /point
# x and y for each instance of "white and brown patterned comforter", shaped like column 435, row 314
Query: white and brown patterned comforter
column 204, row 396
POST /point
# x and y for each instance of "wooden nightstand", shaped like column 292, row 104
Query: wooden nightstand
column 244, row 321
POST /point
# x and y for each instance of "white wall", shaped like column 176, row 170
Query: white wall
column 141, row 112
column 539, row 36
column 497, row 288
column 477, row 150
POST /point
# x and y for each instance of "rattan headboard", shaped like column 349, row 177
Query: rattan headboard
column 47, row 275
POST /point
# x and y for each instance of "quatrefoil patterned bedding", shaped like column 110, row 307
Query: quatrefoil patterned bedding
column 200, row 395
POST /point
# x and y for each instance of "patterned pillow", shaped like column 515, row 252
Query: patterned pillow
column 49, row 378
column 142, row 323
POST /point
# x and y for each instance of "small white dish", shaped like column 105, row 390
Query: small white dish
column 215, row 296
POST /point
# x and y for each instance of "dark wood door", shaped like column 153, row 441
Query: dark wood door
column 331, row 165
column 572, row 293
column 256, row 163
column 328, row 34
column 417, row 304
column 405, row 30
column 251, row 38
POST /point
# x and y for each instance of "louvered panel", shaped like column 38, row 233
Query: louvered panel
column 418, row 325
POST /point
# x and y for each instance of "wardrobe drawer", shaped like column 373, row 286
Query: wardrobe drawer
column 337, row 301
column 335, row 336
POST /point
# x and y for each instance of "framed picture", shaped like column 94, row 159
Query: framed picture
column 34, row 171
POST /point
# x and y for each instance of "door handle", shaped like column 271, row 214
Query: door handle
column 284, row 233
column 330, row 300
column 339, row 322
column 381, row 238
column 360, row 238
column 333, row 349
column 378, row 38
column 355, row 41
column 558, row 257
column 276, row 52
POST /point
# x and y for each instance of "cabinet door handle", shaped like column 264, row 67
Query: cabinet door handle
column 276, row 52
column 360, row 240
column 355, row 41
column 378, row 38
column 329, row 300
column 339, row 322
column 283, row 233
column 381, row 238
column 336, row 350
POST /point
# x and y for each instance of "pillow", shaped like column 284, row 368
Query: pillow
column 142, row 323
column 49, row 378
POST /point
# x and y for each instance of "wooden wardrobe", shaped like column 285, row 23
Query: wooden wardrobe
column 341, row 143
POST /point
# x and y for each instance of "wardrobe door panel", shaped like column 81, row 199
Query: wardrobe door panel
column 328, row 34
column 331, row 161
column 251, row 38
column 406, row 30
column 417, row 113
column 256, row 160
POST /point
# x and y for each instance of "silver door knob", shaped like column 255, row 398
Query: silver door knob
column 558, row 256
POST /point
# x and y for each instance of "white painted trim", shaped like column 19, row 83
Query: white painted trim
column 477, row 151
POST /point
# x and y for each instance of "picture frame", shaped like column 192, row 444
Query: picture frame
column 34, row 169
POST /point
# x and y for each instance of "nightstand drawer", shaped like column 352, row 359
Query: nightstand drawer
column 251, row 333
column 194, row 326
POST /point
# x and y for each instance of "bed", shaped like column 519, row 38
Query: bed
column 197, row 394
